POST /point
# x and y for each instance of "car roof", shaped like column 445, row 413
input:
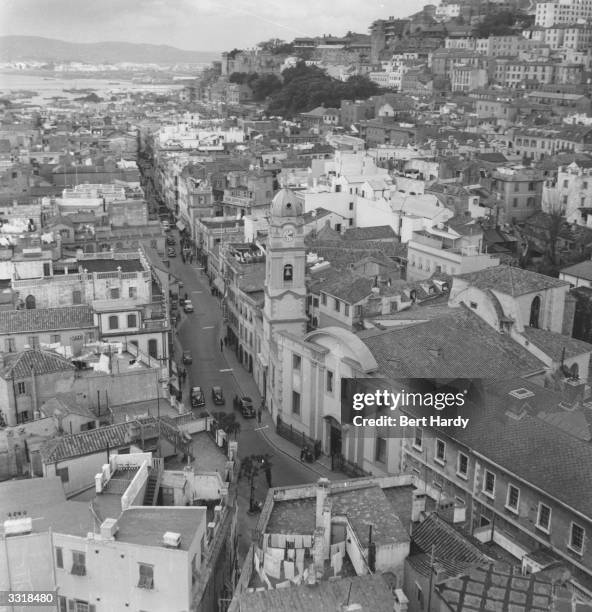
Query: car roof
column 186, row 351
column 195, row 389
column 216, row 388
column 247, row 398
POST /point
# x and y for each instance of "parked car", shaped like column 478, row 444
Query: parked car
column 171, row 241
column 218, row 396
column 245, row 405
column 187, row 358
column 197, row 397
column 188, row 306
column 172, row 252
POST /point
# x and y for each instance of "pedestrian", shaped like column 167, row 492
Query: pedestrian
column 259, row 416
column 221, row 346
column 302, row 453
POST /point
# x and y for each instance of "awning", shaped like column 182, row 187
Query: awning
column 219, row 285
column 181, row 226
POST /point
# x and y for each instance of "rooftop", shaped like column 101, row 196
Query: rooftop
column 557, row 346
column 111, row 265
column 45, row 319
column 378, row 232
column 581, row 270
column 457, row 343
column 146, row 526
column 511, row 280
column 372, row 593
column 19, row 365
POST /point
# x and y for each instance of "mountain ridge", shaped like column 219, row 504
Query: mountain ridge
column 39, row 48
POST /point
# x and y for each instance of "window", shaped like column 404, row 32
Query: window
column 113, row 322
column 515, row 203
column 22, row 417
column 146, row 576
column 513, row 498
column 323, row 299
column 418, row 438
column 516, row 187
column 288, row 272
column 30, row 302
column 21, row 388
column 33, row 342
column 565, row 183
column 337, row 305
column 63, row 604
column 380, row 450
column 329, row 386
column 473, row 305
column 78, row 563
column 489, row 483
column 530, row 186
column 9, row 345
column 576, row 538
column 115, row 294
column 440, row 456
column 419, row 596
column 59, row 557
column 295, row 402
column 315, row 302
column 132, row 292
column 462, row 467
column 63, row 473
column 296, row 362
column 132, row 320
column 346, row 310
column 544, row 518
column 76, row 297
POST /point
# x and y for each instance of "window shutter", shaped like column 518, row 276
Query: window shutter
column 71, row 605
column 92, row 608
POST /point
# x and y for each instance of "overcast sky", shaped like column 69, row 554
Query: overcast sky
column 206, row 25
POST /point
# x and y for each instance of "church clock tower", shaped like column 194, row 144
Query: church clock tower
column 285, row 288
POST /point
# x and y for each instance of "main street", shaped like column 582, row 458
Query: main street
column 200, row 332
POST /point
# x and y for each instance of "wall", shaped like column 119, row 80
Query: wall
column 112, row 574
column 26, row 563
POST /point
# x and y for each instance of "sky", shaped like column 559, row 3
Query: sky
column 200, row 25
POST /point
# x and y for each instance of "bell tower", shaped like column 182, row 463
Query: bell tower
column 285, row 288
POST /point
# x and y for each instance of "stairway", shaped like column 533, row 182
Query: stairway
column 152, row 486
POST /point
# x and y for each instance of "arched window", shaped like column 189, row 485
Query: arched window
column 535, row 309
column 288, row 272
column 30, row 302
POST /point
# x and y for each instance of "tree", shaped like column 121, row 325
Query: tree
column 232, row 54
column 251, row 467
column 238, row 77
column 226, row 421
column 555, row 209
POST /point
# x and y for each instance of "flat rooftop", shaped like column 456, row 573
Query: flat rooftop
column 111, row 265
column 146, row 526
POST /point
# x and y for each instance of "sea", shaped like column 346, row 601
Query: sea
column 47, row 87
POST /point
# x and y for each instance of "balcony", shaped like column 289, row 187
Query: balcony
column 235, row 199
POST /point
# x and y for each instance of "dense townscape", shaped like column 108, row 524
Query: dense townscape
column 200, row 261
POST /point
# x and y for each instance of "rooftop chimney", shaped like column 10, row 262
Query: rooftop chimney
column 171, row 539
column 109, row 529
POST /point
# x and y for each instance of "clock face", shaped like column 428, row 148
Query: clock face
column 288, row 234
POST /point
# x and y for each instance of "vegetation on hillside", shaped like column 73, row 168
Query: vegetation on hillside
column 503, row 23
column 262, row 85
column 306, row 87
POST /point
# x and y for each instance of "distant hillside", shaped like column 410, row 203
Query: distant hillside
column 21, row 48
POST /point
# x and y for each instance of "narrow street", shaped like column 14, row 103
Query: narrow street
column 200, row 332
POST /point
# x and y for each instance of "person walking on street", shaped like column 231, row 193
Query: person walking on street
column 221, row 346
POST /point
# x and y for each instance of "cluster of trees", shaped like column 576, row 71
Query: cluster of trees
column 503, row 23
column 262, row 85
column 306, row 87
column 276, row 46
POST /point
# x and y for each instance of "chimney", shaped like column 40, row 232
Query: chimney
column 323, row 489
column 108, row 529
column 418, row 506
column 573, row 390
column 401, row 601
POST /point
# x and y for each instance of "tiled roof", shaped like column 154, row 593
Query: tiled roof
column 42, row 362
column 377, row 232
column 562, row 470
column 371, row 593
column 511, row 281
column 64, row 404
column 556, row 345
column 352, row 289
column 45, row 319
column 446, row 543
column 458, row 344
column 87, row 442
column 581, row 270
column 497, row 589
